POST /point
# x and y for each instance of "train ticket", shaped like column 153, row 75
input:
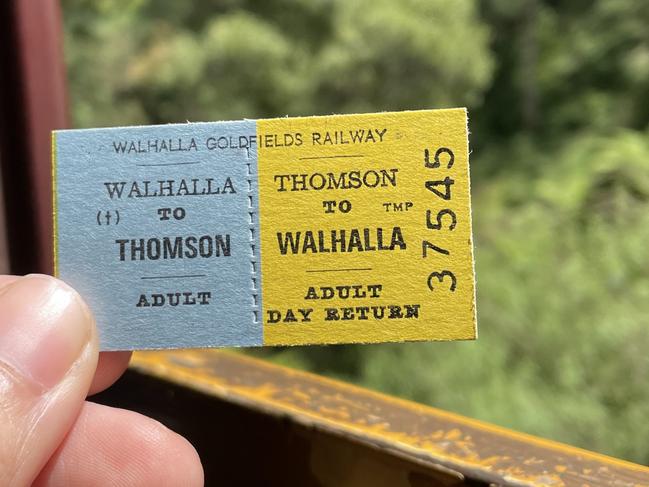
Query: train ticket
column 287, row 231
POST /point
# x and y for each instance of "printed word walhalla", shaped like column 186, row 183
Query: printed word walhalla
column 169, row 187
column 189, row 247
column 154, row 145
column 353, row 240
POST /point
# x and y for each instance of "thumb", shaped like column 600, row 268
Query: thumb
column 48, row 355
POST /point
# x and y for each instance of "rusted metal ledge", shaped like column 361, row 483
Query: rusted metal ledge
column 432, row 447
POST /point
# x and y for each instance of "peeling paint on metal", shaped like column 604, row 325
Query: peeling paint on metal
column 423, row 434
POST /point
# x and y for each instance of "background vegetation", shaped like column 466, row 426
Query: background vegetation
column 558, row 95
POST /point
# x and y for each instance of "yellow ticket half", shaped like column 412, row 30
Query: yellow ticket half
column 366, row 228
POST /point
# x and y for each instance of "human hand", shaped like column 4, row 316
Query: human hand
column 49, row 434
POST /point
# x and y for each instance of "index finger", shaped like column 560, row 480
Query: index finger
column 110, row 367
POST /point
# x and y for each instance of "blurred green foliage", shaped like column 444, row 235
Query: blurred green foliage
column 558, row 95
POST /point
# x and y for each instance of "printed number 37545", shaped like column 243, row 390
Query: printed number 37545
column 443, row 219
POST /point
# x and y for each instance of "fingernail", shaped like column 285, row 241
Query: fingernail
column 44, row 328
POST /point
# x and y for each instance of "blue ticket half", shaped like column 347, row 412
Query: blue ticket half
column 135, row 206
